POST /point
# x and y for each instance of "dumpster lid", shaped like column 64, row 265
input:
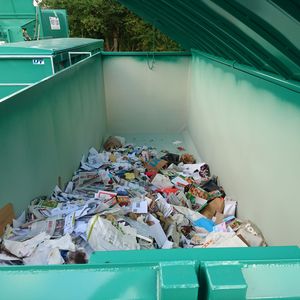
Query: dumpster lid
column 48, row 46
column 262, row 34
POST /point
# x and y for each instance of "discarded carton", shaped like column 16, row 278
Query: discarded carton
column 216, row 205
column 112, row 143
column 6, row 217
column 155, row 165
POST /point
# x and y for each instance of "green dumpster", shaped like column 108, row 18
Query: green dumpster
column 234, row 101
column 25, row 63
column 25, row 20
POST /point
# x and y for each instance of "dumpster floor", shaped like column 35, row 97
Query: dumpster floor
column 147, row 191
column 165, row 141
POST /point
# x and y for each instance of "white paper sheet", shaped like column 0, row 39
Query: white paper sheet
column 164, row 206
column 102, row 235
column 156, row 231
column 69, row 223
column 6, row 257
column 229, row 206
column 19, row 221
column 48, row 253
column 161, row 181
column 189, row 214
column 140, row 207
column 222, row 240
column 80, row 227
column 52, row 226
column 26, row 248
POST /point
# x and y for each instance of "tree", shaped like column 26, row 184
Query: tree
column 108, row 19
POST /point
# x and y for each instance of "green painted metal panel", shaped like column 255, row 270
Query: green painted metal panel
column 18, row 14
column 246, row 127
column 173, row 274
column 260, row 34
column 144, row 53
column 24, row 70
column 234, row 280
column 24, row 7
column 46, row 129
column 6, row 90
column 178, row 280
column 48, row 32
column 254, row 254
column 51, row 46
column 30, row 62
column 225, row 281
column 79, row 282
column 272, row 281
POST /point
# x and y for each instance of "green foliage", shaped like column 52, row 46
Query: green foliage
column 111, row 21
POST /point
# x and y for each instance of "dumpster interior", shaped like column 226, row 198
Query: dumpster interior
column 240, row 115
column 166, row 107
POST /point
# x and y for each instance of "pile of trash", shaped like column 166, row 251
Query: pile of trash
column 126, row 198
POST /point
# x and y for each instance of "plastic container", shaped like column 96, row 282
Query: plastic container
column 245, row 127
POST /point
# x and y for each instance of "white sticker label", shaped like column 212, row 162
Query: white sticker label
column 54, row 23
column 38, row 61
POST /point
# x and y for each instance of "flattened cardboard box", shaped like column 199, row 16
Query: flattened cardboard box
column 6, row 217
column 155, row 164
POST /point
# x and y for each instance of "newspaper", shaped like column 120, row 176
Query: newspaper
column 161, row 181
column 48, row 253
column 188, row 213
column 102, row 235
column 53, row 227
column 26, row 248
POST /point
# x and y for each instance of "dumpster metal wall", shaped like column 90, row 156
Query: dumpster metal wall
column 261, row 34
column 46, row 128
column 6, row 90
column 247, row 129
column 244, row 127
column 144, row 100
column 218, row 274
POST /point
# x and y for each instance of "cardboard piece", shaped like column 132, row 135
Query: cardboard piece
column 6, row 216
column 219, row 218
column 251, row 235
column 112, row 143
column 214, row 206
column 155, row 165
